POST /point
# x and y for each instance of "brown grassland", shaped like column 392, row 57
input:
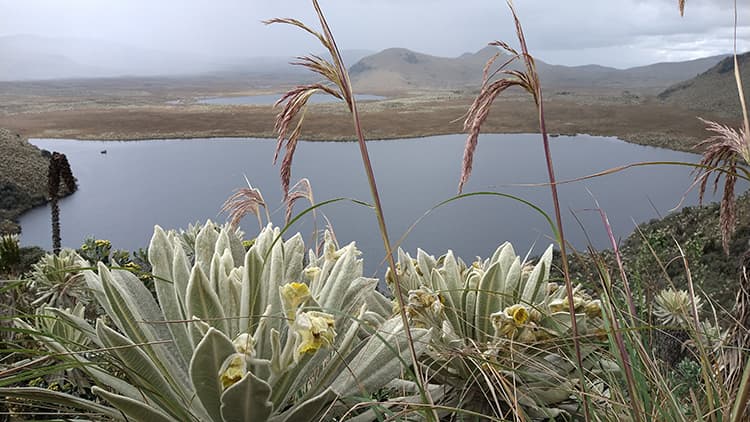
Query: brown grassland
column 138, row 109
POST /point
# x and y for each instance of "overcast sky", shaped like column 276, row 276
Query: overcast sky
column 620, row 33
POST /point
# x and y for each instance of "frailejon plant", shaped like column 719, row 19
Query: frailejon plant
column 10, row 253
column 505, row 332
column 232, row 336
column 58, row 171
column 57, row 280
column 682, row 330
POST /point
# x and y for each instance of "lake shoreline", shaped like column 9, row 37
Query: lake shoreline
column 519, row 173
column 645, row 123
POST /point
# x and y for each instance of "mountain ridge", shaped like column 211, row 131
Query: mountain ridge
column 714, row 90
column 409, row 69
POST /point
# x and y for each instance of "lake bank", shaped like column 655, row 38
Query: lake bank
column 644, row 122
column 179, row 183
column 23, row 179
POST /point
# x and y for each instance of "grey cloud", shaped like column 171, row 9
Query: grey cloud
column 622, row 33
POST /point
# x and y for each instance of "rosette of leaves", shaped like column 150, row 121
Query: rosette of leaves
column 681, row 328
column 96, row 250
column 57, row 280
column 506, row 337
column 10, row 253
column 232, row 335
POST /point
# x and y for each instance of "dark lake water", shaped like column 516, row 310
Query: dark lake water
column 272, row 98
column 172, row 183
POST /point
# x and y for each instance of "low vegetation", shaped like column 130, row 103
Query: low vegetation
column 653, row 255
column 713, row 89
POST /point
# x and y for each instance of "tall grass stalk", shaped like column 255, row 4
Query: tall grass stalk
column 529, row 81
column 723, row 153
column 622, row 350
column 296, row 103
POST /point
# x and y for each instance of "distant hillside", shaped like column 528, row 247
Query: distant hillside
column 656, row 75
column 398, row 68
column 714, row 90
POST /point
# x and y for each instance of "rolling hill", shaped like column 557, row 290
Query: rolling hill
column 399, row 68
column 714, row 90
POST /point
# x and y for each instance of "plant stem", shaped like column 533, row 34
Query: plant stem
column 388, row 250
column 349, row 96
column 563, row 253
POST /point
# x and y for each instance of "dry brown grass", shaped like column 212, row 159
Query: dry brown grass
column 645, row 122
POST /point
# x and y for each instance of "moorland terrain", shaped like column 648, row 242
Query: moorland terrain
column 426, row 95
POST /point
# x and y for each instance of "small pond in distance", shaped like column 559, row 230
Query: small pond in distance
column 176, row 182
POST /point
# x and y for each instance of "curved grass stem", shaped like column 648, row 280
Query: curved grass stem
column 367, row 163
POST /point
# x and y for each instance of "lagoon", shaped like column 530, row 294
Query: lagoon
column 172, row 183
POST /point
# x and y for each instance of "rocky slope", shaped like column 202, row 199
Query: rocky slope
column 714, row 90
column 23, row 178
column 653, row 260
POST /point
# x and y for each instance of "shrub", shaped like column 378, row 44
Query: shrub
column 504, row 343
column 232, row 335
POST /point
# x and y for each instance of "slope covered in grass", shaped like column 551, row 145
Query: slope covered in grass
column 714, row 90
column 696, row 231
column 23, row 178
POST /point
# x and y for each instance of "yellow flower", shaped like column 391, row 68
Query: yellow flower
column 311, row 272
column 244, row 344
column 578, row 303
column 314, row 330
column 331, row 253
column 233, row 369
column 424, row 306
column 503, row 324
column 593, row 309
column 519, row 314
column 509, row 321
column 132, row 266
column 102, row 243
column 425, row 298
column 292, row 296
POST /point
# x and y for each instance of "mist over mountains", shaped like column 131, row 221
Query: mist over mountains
column 31, row 57
column 27, row 57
